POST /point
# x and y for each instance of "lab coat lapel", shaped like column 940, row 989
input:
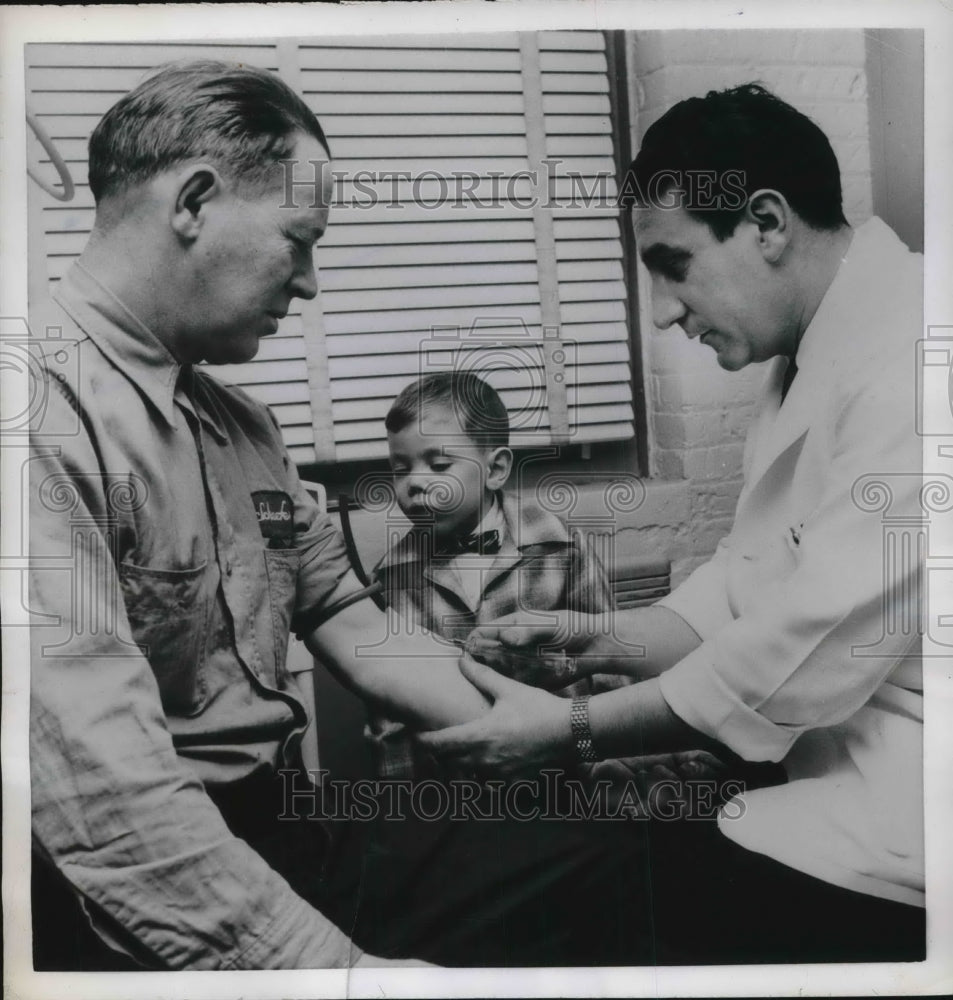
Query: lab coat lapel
column 780, row 427
column 823, row 356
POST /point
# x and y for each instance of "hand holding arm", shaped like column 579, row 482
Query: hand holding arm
column 529, row 728
column 550, row 649
column 525, row 728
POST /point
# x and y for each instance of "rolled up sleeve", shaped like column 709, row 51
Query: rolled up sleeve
column 324, row 574
column 810, row 648
column 702, row 600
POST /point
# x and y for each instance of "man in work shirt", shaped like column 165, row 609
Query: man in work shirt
column 161, row 705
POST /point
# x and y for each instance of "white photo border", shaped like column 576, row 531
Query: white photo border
column 21, row 25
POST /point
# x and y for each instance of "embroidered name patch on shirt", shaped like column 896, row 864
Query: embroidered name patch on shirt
column 275, row 513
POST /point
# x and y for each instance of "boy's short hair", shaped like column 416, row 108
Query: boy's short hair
column 476, row 404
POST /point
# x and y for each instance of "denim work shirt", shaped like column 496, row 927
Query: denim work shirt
column 171, row 545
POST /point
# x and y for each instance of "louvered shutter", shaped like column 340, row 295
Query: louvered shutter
column 69, row 87
column 431, row 276
column 592, row 292
column 421, row 279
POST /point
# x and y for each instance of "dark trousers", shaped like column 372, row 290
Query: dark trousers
column 468, row 892
column 501, row 891
column 529, row 892
column 717, row 903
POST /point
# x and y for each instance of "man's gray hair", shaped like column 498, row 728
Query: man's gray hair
column 242, row 119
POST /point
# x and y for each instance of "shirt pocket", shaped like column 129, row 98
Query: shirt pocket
column 282, row 567
column 168, row 613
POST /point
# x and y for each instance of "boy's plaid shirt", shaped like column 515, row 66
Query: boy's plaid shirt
column 541, row 566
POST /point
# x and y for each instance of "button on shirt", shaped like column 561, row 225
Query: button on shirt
column 164, row 595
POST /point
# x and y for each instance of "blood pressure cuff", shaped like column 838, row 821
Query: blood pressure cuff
column 315, row 618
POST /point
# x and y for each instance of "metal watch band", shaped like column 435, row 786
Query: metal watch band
column 581, row 733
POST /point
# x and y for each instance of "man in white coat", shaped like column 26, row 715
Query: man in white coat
column 798, row 642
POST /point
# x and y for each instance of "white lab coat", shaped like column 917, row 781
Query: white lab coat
column 809, row 610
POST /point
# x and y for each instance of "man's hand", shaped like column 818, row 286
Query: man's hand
column 546, row 654
column 526, row 728
column 569, row 631
column 637, row 642
column 550, row 671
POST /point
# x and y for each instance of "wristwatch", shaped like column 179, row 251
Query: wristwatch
column 581, row 733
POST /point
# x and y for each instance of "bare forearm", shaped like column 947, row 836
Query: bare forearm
column 640, row 642
column 528, row 727
column 628, row 722
column 417, row 682
column 637, row 720
column 408, row 677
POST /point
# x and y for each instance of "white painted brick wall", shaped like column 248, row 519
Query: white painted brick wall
column 698, row 414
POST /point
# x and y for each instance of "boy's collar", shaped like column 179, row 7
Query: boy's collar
column 493, row 519
column 528, row 524
column 522, row 522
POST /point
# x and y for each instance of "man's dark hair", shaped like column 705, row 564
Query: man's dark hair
column 748, row 139
column 476, row 404
column 242, row 119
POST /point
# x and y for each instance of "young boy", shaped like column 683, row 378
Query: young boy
column 473, row 553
